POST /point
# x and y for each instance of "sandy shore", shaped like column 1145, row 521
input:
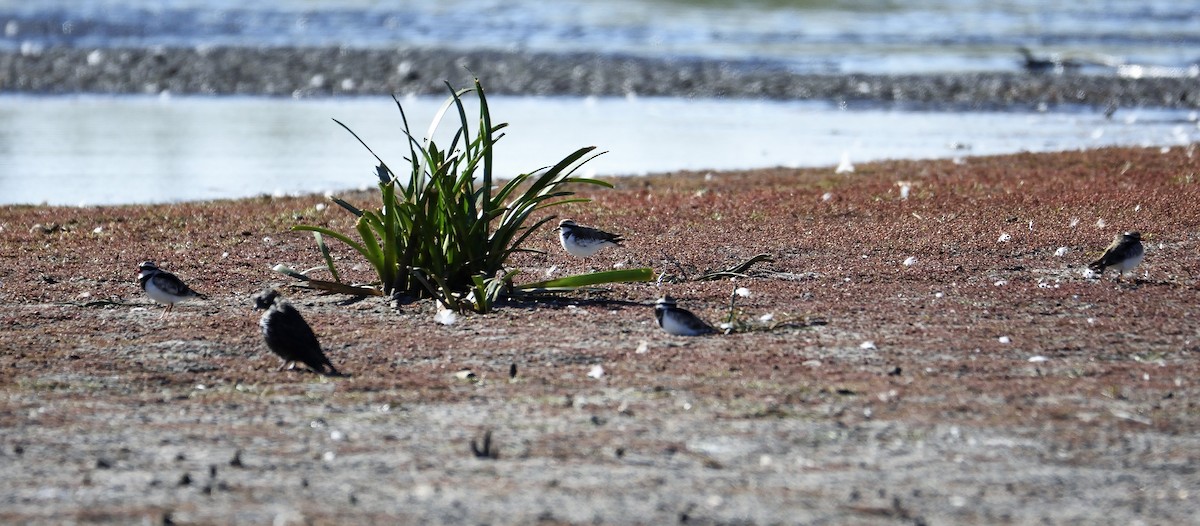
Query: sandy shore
column 329, row 71
column 930, row 360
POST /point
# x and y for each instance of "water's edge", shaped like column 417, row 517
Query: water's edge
column 140, row 149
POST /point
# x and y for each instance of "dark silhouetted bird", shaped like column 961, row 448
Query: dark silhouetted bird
column 289, row 336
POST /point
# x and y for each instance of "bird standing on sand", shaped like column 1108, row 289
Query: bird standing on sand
column 289, row 336
column 582, row 241
column 679, row 321
column 163, row 286
column 1123, row 254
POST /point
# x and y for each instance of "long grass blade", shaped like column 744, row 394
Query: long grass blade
column 507, row 247
column 583, row 162
column 342, row 203
column 415, row 180
column 441, row 113
column 328, row 257
column 584, row 180
column 335, row 287
column 464, row 128
column 373, row 253
column 594, row 278
column 485, row 135
column 358, row 247
column 360, row 141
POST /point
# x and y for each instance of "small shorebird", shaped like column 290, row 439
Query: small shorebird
column 1123, row 254
column 163, row 286
column 581, row 241
column 1035, row 64
column 289, row 336
column 679, row 321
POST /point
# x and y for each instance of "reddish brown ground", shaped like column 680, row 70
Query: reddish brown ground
column 1001, row 385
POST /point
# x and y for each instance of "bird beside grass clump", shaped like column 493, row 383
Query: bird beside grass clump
column 1123, row 254
column 289, row 336
column 679, row 321
column 164, row 287
column 582, row 241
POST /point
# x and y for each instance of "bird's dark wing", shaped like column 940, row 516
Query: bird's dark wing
column 1115, row 253
column 173, row 285
column 694, row 322
column 596, row 233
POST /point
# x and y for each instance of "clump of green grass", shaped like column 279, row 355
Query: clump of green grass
column 444, row 230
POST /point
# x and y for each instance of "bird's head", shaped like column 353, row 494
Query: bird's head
column 665, row 302
column 145, row 270
column 565, row 223
column 1133, row 236
column 263, row 300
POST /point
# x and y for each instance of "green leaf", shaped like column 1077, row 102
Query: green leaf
column 358, row 247
column 325, row 254
column 360, row 141
column 353, row 209
column 576, row 281
column 370, row 243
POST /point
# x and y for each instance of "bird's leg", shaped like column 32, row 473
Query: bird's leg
column 283, row 365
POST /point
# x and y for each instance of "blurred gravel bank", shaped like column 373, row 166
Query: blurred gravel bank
column 307, row 72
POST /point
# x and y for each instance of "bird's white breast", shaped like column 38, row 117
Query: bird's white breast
column 1130, row 262
column 676, row 323
column 158, row 294
column 579, row 247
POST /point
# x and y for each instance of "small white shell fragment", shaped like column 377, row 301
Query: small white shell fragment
column 445, row 317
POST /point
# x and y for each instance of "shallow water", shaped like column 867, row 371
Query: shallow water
column 873, row 36
column 110, row 150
